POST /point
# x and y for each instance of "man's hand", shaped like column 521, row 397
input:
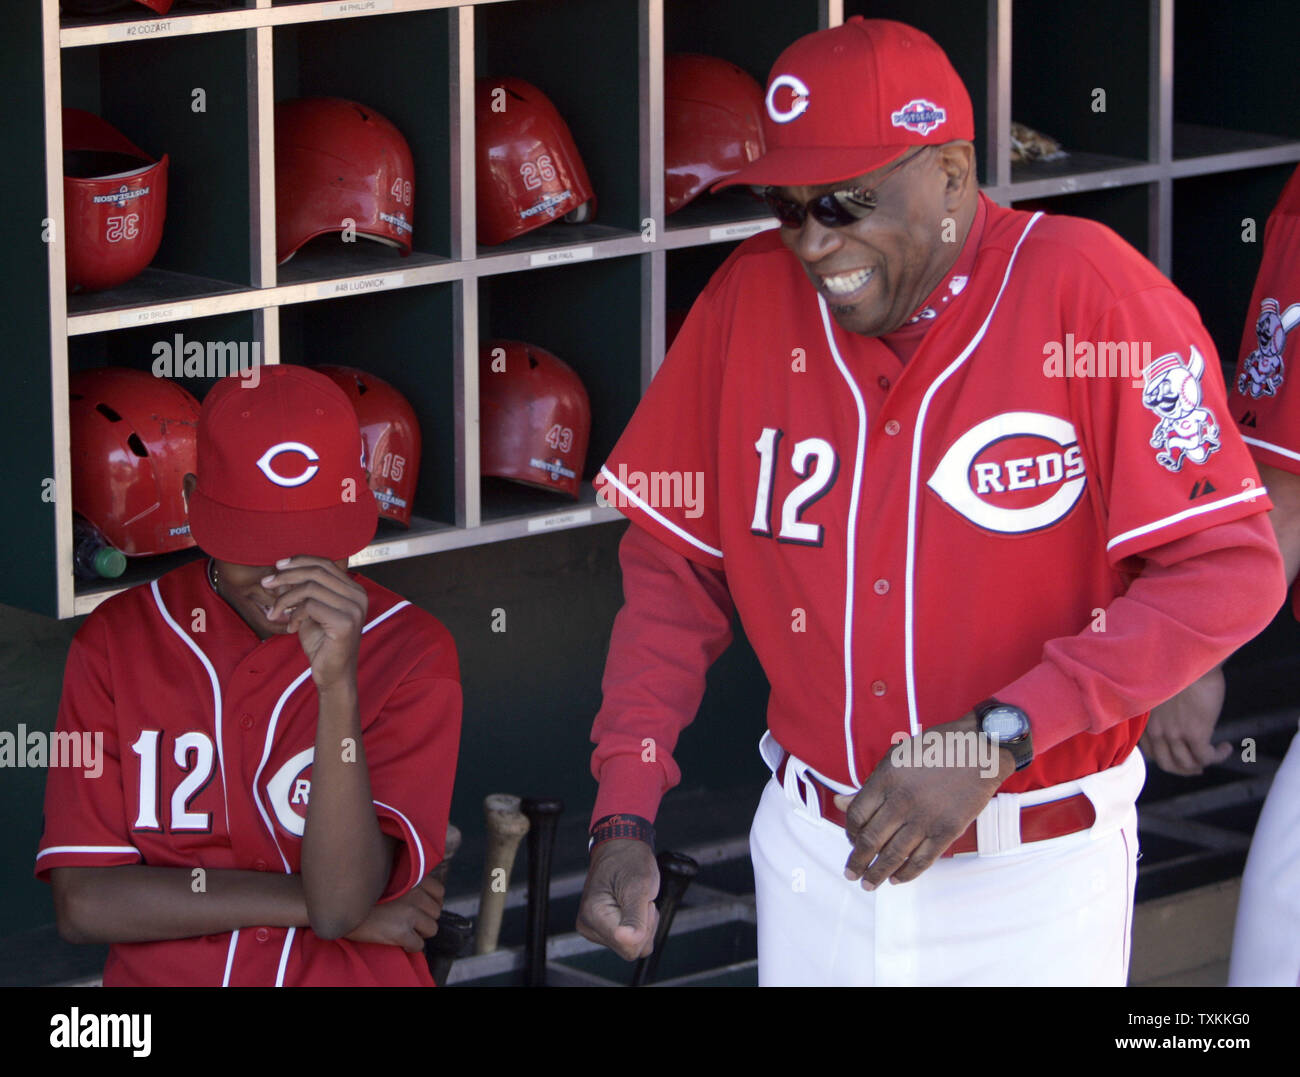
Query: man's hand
column 904, row 817
column 326, row 608
column 1177, row 737
column 618, row 908
column 405, row 921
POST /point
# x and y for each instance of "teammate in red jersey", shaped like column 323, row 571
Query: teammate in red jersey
column 279, row 735
column 949, row 519
column 1265, row 404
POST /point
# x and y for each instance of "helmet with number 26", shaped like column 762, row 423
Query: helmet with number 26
column 529, row 171
column 535, row 416
column 391, row 435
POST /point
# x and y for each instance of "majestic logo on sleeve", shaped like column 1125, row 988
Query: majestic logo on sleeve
column 289, row 791
column 1186, row 430
column 1017, row 472
column 787, row 98
column 1262, row 371
column 919, row 115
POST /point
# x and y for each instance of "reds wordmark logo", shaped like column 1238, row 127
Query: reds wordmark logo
column 1014, row 473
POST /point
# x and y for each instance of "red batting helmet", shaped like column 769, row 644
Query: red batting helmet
column 102, row 7
column 713, row 124
column 335, row 161
column 535, row 416
column 133, row 440
column 391, row 435
column 115, row 200
column 529, row 170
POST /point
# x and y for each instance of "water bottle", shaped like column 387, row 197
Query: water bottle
column 92, row 557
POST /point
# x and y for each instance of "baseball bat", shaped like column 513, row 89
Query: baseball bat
column 506, row 826
column 676, row 870
column 543, row 813
column 447, row 945
column 449, row 849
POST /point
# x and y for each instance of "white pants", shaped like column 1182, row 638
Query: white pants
column 1266, row 943
column 1055, row 912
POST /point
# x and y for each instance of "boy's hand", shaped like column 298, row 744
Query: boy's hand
column 326, row 608
column 405, row 921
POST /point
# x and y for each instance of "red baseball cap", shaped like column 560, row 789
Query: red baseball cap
column 280, row 470
column 845, row 101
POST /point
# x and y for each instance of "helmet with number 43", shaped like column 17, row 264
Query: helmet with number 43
column 535, row 418
column 115, row 201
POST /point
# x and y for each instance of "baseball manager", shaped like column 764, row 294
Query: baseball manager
column 937, row 513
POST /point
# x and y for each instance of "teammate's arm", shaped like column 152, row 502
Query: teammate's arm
column 1177, row 737
column 1197, row 600
column 675, row 622
column 346, row 858
column 138, row 903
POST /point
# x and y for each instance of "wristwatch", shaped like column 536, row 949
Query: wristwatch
column 1008, row 727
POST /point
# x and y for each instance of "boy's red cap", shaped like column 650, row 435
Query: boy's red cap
column 846, row 101
column 274, row 462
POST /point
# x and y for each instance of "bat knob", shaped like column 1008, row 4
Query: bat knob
column 678, row 865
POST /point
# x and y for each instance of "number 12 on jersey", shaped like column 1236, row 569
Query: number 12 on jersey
column 814, row 461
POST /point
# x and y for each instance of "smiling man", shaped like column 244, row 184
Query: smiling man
column 928, row 539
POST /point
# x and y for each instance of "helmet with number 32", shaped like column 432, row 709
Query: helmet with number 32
column 529, row 171
column 115, row 201
column 535, row 418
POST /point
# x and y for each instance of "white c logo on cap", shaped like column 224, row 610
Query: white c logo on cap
column 797, row 105
column 288, row 446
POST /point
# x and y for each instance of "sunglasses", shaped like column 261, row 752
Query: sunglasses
column 833, row 210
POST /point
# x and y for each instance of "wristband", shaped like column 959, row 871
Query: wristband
column 622, row 826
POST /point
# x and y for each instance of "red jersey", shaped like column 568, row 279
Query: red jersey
column 903, row 540
column 208, row 738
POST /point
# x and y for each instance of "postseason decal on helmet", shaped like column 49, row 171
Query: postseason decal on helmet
column 398, row 221
column 919, row 115
column 1014, row 473
column 1186, row 430
column 546, row 205
column 121, row 196
column 554, row 468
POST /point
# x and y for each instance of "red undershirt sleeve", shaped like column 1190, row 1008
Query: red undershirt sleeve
column 675, row 622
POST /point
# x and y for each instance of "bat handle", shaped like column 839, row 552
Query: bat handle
column 676, row 870
column 543, row 814
column 448, row 944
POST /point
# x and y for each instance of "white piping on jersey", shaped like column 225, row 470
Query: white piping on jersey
column 216, row 695
column 414, row 833
column 1245, row 495
column 230, row 957
column 658, row 517
column 284, row 956
column 103, row 849
column 852, row 542
column 1289, row 453
column 913, row 476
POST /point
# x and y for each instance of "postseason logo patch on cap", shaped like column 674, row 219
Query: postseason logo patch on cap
column 919, row 115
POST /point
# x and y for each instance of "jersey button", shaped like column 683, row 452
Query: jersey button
column 883, row 382
column 881, row 587
column 892, row 427
column 259, row 864
column 246, row 721
column 262, row 935
column 878, row 688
